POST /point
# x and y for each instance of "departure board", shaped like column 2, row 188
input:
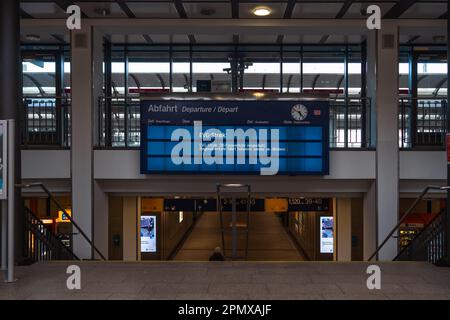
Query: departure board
column 234, row 137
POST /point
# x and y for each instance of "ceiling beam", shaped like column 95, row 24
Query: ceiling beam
column 288, row 86
column 59, row 38
column 289, row 9
column 324, row 38
column 439, row 86
column 280, row 39
column 25, row 15
column 135, row 79
column 126, row 9
column 183, row 15
column 147, row 38
column 339, row 83
column 235, row 15
column 287, row 15
column 180, row 9
column 316, row 77
column 235, row 9
column 161, row 80
column 444, row 15
column 347, row 4
column 399, row 8
column 192, row 38
column 412, row 39
column 36, row 83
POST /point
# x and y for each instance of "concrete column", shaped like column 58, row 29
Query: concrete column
column 85, row 63
column 11, row 99
column 369, row 221
column 387, row 155
column 343, row 229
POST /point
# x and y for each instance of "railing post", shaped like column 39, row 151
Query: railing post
column 363, row 123
column 447, row 216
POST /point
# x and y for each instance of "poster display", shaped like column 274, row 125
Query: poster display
column 148, row 234
column 326, row 235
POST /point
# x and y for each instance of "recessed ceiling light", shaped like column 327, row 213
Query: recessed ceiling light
column 262, row 11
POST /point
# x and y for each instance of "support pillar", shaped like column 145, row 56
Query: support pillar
column 11, row 101
column 86, row 61
column 387, row 153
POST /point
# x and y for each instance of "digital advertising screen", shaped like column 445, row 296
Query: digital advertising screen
column 148, row 234
column 234, row 137
column 326, row 235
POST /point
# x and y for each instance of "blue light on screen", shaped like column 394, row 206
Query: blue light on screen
column 301, row 150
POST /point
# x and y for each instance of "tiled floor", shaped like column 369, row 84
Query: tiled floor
column 268, row 240
column 229, row 280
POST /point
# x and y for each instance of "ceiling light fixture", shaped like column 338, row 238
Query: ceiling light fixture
column 262, row 11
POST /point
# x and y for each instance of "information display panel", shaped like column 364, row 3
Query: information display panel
column 234, row 137
column 148, row 234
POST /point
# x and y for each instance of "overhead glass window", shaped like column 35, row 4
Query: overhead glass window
column 291, row 69
column 323, row 69
column 149, row 70
column 181, row 69
column 259, row 67
column 211, row 69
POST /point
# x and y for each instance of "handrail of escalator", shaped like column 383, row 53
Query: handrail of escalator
column 50, row 195
column 405, row 215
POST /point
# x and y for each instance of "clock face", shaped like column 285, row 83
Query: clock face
column 299, row 112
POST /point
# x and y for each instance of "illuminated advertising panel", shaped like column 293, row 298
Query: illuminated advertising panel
column 3, row 158
column 326, row 235
column 148, row 234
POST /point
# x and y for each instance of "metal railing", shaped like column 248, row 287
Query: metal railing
column 42, row 243
column 119, row 122
column 64, row 211
column 405, row 215
column 349, row 122
column 422, row 122
column 429, row 244
column 46, row 121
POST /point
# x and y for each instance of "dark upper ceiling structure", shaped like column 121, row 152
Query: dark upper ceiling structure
column 233, row 9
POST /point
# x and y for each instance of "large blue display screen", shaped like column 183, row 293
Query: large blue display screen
column 235, row 137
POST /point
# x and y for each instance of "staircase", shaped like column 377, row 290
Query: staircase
column 428, row 244
column 41, row 243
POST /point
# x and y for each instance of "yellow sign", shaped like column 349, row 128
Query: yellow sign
column 62, row 216
column 276, row 205
column 152, row 205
